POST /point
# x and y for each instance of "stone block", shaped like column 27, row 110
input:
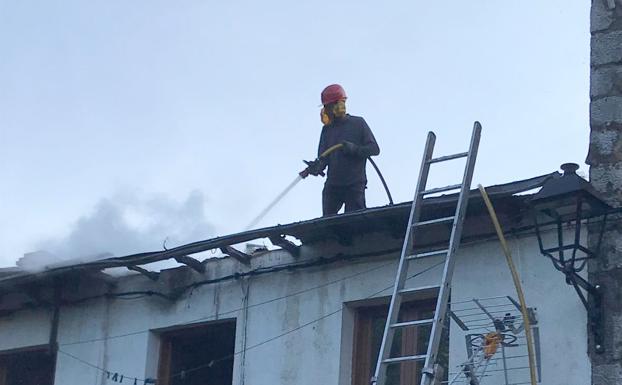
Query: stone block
column 606, row 81
column 612, row 313
column 601, row 17
column 606, row 112
column 605, row 146
column 607, row 374
column 606, row 48
column 610, row 257
column 607, row 178
column 606, row 141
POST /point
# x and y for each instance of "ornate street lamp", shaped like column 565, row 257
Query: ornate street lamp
column 566, row 203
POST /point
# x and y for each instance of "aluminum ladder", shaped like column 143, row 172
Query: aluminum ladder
column 430, row 369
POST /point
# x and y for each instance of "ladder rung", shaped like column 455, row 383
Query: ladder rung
column 433, row 221
column 428, row 254
column 420, row 288
column 420, row 357
column 441, row 189
column 448, row 157
column 413, row 323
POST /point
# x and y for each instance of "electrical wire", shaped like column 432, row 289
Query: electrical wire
column 229, row 356
column 246, row 294
column 261, row 270
column 205, row 318
column 127, row 295
column 300, row 326
column 136, row 379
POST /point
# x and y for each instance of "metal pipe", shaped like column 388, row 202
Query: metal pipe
column 53, row 341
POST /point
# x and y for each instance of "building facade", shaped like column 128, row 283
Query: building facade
column 309, row 312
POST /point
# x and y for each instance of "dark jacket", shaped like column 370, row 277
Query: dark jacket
column 344, row 169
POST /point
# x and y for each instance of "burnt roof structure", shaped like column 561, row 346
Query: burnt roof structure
column 342, row 228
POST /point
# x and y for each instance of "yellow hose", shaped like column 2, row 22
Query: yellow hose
column 331, row 149
column 519, row 290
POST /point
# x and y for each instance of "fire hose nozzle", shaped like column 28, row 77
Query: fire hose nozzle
column 306, row 172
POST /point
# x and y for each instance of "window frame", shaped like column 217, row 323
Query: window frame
column 37, row 349
column 167, row 337
column 364, row 316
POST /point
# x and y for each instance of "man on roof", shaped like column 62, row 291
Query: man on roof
column 346, row 180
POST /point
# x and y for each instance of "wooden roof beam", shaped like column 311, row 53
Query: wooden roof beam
column 152, row 275
column 237, row 254
column 191, row 262
column 286, row 245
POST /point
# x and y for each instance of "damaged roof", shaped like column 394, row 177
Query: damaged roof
column 391, row 219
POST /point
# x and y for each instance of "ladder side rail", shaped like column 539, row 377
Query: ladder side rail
column 427, row 374
column 396, row 298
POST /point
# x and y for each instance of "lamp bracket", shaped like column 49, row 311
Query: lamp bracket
column 593, row 305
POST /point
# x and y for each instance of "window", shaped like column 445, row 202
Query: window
column 198, row 355
column 368, row 330
column 27, row 367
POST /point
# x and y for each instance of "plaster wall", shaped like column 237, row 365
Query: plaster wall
column 482, row 272
column 26, row 328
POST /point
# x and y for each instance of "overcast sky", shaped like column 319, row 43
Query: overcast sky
column 124, row 123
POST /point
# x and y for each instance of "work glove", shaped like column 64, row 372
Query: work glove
column 350, row 148
column 314, row 167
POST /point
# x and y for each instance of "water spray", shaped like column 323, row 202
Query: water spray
column 276, row 200
column 305, row 173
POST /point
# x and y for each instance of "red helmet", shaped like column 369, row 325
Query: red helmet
column 333, row 93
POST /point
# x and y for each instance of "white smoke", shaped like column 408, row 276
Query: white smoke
column 126, row 224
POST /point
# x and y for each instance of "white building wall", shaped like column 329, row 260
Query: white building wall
column 301, row 351
column 481, row 272
column 26, row 328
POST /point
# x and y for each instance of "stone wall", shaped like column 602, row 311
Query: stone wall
column 605, row 160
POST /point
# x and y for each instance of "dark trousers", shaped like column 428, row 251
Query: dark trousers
column 333, row 197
